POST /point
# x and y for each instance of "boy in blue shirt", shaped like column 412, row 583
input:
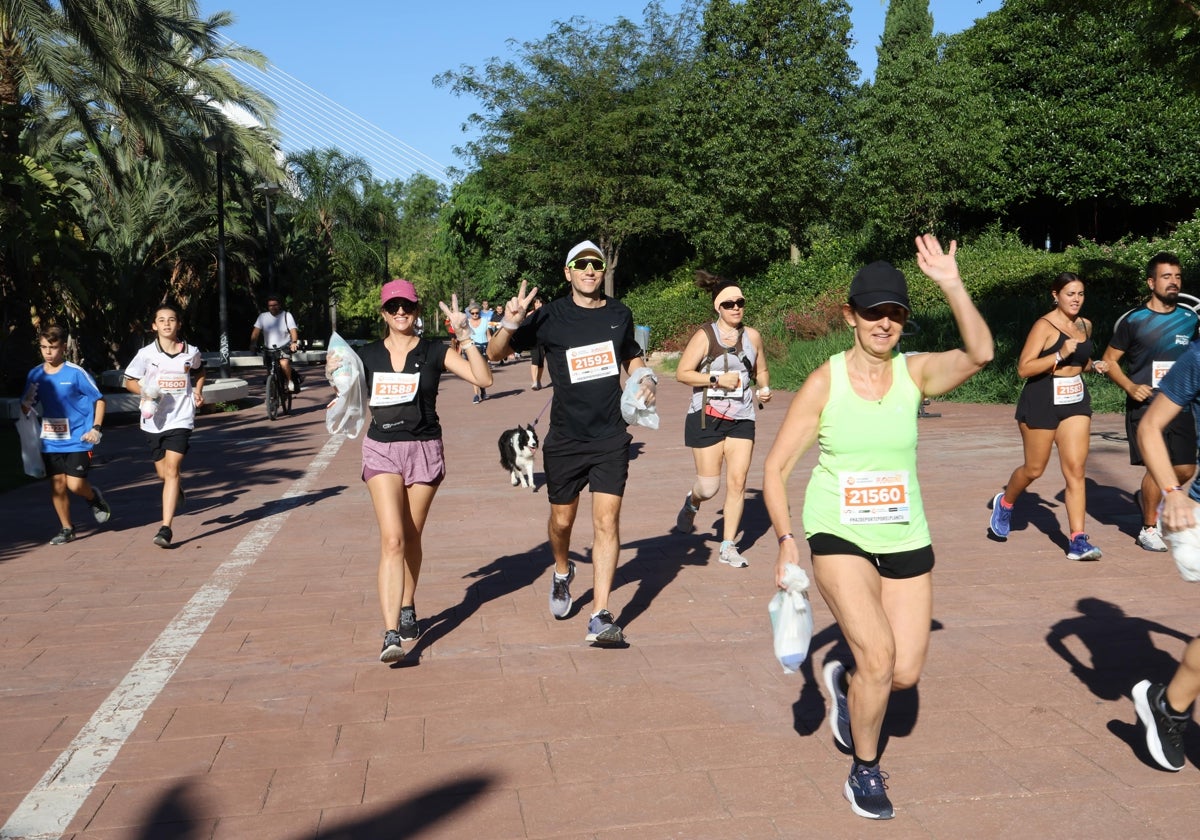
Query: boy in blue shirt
column 72, row 413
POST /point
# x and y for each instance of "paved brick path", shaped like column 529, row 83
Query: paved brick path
column 281, row 723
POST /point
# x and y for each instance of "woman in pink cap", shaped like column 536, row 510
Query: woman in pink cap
column 403, row 463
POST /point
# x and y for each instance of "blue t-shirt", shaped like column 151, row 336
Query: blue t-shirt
column 1181, row 386
column 68, row 398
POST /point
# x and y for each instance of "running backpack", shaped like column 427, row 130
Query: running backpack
column 715, row 351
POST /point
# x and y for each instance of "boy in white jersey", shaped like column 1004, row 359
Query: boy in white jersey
column 173, row 369
column 72, row 413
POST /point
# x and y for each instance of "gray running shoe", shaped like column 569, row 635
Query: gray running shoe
column 866, row 792
column 1151, row 539
column 603, row 631
column 100, row 509
column 685, row 520
column 560, row 592
column 66, row 535
column 392, row 652
column 1164, row 732
column 729, row 554
column 833, row 674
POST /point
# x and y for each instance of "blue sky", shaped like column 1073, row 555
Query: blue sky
column 377, row 58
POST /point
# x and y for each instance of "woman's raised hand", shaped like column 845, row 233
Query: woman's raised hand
column 517, row 306
column 939, row 266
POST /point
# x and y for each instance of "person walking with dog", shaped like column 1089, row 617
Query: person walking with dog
column 872, row 556
column 1150, row 339
column 723, row 362
column 402, row 455
column 587, row 338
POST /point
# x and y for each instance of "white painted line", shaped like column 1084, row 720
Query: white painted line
column 48, row 809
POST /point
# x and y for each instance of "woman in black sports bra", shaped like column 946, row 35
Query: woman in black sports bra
column 1055, row 409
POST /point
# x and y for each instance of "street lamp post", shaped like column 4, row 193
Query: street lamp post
column 385, row 260
column 267, row 191
column 220, row 144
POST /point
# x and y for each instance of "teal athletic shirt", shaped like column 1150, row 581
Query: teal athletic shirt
column 864, row 487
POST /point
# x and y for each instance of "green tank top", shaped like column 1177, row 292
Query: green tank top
column 864, row 487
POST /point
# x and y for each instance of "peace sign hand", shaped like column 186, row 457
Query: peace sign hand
column 515, row 309
column 456, row 317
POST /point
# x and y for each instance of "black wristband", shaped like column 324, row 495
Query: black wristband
column 96, row 427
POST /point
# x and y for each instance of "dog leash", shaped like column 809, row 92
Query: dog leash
column 543, row 411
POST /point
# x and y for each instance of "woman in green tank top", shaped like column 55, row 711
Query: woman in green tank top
column 871, row 553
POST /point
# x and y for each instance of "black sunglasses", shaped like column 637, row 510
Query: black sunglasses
column 396, row 304
column 737, row 303
column 588, row 262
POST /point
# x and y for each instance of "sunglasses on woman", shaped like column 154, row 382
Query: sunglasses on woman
column 586, row 263
column 737, row 303
column 396, row 304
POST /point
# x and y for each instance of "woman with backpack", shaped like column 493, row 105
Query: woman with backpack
column 723, row 362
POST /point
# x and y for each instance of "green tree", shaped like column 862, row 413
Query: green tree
column 570, row 138
column 757, row 134
column 925, row 136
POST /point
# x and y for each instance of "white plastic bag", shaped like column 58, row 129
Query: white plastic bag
column 151, row 394
column 791, row 620
column 346, row 413
column 634, row 410
column 1185, row 551
column 29, row 430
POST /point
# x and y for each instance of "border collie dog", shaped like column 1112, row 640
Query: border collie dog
column 517, row 448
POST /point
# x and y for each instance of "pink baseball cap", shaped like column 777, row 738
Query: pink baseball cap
column 398, row 288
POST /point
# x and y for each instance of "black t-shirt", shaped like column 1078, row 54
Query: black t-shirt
column 416, row 419
column 585, row 349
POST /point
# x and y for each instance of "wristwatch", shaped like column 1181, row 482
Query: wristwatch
column 712, row 379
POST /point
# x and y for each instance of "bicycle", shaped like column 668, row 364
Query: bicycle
column 279, row 396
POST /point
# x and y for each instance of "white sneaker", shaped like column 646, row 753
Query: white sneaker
column 1151, row 539
column 729, row 554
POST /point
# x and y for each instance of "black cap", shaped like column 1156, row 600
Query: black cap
column 877, row 284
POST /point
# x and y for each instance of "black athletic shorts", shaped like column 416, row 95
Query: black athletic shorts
column 68, row 463
column 896, row 565
column 1036, row 408
column 600, row 465
column 1180, row 436
column 715, row 430
column 172, row 440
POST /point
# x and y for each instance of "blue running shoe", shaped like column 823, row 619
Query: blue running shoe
column 867, row 794
column 1081, row 549
column 1001, row 522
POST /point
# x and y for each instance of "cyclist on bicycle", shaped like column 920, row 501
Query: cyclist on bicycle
column 278, row 329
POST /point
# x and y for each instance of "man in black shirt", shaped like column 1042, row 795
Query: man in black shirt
column 587, row 337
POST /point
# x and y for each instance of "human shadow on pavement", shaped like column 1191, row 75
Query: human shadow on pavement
column 1120, row 650
column 656, row 562
column 503, row 576
column 1110, row 505
column 755, row 522
column 1031, row 510
column 181, row 814
column 228, row 522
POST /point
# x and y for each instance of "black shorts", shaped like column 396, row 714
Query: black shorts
column 172, row 440
column 68, row 463
column 1036, row 408
column 897, row 565
column 1180, row 436
column 536, row 355
column 600, row 465
column 715, row 430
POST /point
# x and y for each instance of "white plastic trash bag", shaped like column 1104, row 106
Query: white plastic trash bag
column 30, row 432
column 151, row 394
column 1185, row 550
column 634, row 410
column 791, row 619
column 346, row 413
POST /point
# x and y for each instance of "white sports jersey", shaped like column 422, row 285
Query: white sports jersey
column 276, row 329
column 176, row 408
